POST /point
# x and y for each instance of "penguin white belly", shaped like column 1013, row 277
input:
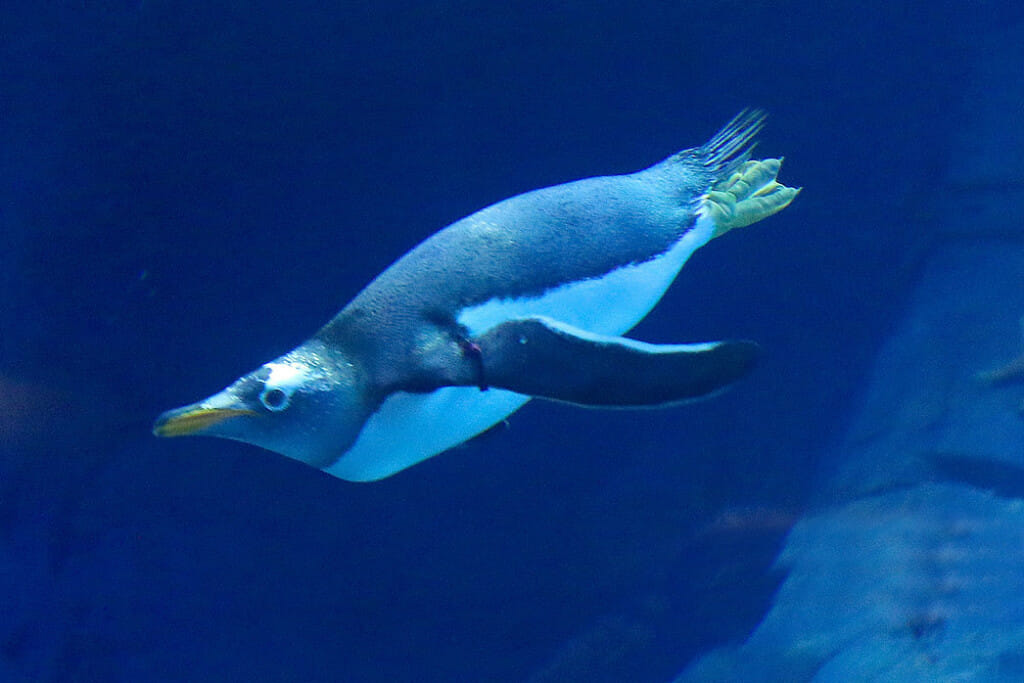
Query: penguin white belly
column 409, row 428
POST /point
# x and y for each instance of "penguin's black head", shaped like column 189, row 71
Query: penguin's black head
column 308, row 405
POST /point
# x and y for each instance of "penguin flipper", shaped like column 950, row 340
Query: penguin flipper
column 749, row 194
column 549, row 359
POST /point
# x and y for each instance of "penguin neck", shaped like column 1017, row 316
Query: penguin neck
column 375, row 346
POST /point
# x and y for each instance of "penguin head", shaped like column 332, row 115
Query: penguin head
column 309, row 405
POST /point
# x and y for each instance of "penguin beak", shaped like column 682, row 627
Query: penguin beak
column 193, row 419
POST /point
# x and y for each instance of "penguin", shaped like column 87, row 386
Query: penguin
column 526, row 298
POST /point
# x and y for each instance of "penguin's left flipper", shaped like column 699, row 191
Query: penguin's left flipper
column 749, row 194
column 549, row 359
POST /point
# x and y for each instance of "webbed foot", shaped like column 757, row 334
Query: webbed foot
column 748, row 195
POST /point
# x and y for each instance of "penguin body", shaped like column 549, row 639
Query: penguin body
column 524, row 298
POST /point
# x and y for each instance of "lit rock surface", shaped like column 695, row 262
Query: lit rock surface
column 910, row 564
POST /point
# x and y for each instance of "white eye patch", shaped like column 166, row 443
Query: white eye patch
column 284, row 379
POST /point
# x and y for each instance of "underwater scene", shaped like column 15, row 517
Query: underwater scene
column 526, row 342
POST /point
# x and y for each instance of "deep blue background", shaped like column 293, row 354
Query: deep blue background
column 189, row 189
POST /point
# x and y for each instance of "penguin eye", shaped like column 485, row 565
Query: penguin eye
column 274, row 399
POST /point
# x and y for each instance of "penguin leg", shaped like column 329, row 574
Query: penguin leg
column 549, row 359
column 748, row 195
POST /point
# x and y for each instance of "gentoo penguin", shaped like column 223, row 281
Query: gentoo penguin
column 526, row 298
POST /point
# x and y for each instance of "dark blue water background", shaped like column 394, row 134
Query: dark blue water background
column 189, row 189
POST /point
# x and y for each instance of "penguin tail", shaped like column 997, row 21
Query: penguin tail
column 737, row 190
column 746, row 189
column 730, row 147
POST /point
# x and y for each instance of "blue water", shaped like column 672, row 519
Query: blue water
column 189, row 189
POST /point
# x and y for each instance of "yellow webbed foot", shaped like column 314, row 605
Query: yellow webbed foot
column 748, row 195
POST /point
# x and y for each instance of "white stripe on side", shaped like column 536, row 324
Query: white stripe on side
column 611, row 304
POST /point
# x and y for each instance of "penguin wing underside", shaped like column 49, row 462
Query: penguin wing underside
column 545, row 358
